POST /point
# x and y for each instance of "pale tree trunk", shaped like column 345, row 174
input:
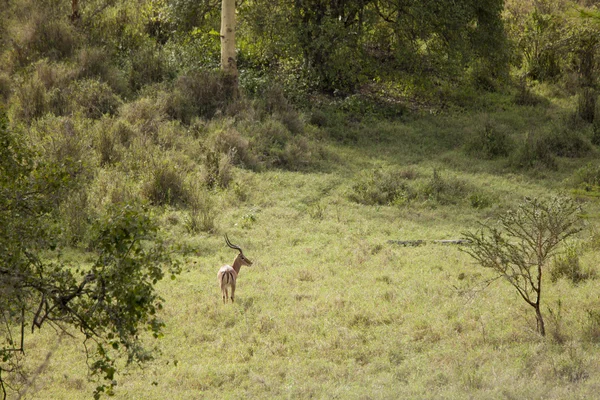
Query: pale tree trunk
column 228, row 59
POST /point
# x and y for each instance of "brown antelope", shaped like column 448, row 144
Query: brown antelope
column 228, row 274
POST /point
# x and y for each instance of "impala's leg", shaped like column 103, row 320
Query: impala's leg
column 232, row 292
column 225, row 294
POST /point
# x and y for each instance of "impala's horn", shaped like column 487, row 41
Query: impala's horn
column 233, row 246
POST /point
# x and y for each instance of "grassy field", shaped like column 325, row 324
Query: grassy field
column 332, row 309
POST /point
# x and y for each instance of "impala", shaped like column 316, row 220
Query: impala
column 228, row 273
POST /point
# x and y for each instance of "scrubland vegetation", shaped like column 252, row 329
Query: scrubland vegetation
column 126, row 158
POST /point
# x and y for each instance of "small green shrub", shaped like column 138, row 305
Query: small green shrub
column 382, row 186
column 107, row 147
column 166, row 186
column 217, row 170
column 145, row 115
column 480, row 200
column 490, row 142
column 318, row 118
column 567, row 266
column 93, row 62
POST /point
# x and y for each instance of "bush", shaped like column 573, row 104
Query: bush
column 591, row 330
column 230, row 141
column 144, row 115
column 490, row 143
column 217, row 169
column 166, row 186
column 273, row 145
column 200, row 93
column 525, row 97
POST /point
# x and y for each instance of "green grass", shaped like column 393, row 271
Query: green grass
column 330, row 309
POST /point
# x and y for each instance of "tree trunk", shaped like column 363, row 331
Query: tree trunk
column 228, row 59
column 540, row 321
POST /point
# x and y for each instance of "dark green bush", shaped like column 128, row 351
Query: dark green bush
column 217, row 169
column 5, row 87
column 525, row 97
column 591, row 331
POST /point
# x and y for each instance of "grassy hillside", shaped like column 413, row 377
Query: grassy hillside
column 331, row 308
